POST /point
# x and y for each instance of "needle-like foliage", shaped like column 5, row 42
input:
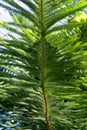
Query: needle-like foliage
column 43, row 66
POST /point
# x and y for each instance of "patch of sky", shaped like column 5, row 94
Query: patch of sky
column 23, row 5
column 4, row 15
column 5, row 121
column 6, row 4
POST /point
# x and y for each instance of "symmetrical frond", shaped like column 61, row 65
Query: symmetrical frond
column 43, row 66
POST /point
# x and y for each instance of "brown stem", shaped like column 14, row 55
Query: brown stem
column 46, row 111
column 43, row 87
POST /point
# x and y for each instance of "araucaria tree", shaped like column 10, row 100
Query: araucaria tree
column 43, row 66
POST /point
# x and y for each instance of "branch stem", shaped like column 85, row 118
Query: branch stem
column 43, row 49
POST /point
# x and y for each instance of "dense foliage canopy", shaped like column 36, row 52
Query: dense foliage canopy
column 43, row 65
